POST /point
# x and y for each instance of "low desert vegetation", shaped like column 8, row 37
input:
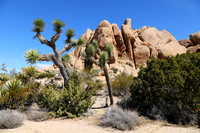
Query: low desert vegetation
column 121, row 84
column 37, row 115
column 71, row 101
column 11, row 119
column 118, row 118
column 168, row 89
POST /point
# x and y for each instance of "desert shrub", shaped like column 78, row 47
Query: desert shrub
column 121, row 84
column 18, row 96
column 89, row 78
column 10, row 119
column 71, row 101
column 115, row 117
column 48, row 74
column 36, row 115
column 169, row 89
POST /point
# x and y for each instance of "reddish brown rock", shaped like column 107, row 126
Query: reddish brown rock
column 185, row 42
column 195, row 38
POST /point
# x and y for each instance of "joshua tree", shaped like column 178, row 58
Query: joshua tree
column 92, row 51
column 33, row 55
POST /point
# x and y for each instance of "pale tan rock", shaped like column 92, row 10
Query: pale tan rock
column 118, row 38
column 128, row 22
column 170, row 49
column 141, row 55
column 194, row 49
column 185, row 42
column 129, row 39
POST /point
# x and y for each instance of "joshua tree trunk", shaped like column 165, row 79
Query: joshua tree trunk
column 108, row 84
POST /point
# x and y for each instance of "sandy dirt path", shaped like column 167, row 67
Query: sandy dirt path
column 90, row 125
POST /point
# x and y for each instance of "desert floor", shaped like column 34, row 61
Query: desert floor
column 90, row 124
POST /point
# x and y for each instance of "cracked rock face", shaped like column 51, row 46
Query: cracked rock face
column 135, row 46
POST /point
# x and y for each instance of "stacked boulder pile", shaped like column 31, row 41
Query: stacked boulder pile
column 132, row 47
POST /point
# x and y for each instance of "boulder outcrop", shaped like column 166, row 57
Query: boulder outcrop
column 132, row 47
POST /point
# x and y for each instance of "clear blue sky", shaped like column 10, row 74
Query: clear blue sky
column 180, row 17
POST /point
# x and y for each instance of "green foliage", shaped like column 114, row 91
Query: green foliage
column 109, row 49
column 121, row 84
column 30, row 71
column 4, row 77
column 17, row 95
column 47, row 74
column 38, row 25
column 103, row 58
column 95, row 43
column 169, row 89
column 69, row 34
column 71, row 101
column 66, row 58
column 90, row 51
column 58, row 25
column 32, row 56
column 80, row 42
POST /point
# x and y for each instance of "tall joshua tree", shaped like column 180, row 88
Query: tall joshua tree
column 33, row 55
column 91, row 52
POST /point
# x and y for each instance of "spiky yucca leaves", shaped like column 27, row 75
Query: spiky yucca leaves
column 31, row 71
column 69, row 34
column 66, row 58
column 38, row 25
column 109, row 49
column 32, row 56
column 58, row 25
column 103, row 58
column 90, row 51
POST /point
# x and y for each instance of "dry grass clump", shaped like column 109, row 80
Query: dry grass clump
column 115, row 117
column 11, row 119
column 35, row 115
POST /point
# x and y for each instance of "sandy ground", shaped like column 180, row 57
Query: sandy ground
column 90, row 125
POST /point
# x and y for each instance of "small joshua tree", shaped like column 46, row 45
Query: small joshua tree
column 91, row 52
column 33, row 55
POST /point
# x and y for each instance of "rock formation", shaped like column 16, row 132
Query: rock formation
column 192, row 45
column 132, row 48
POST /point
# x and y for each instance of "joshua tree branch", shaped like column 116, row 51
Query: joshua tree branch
column 55, row 38
column 94, row 61
column 47, row 57
column 43, row 40
column 67, row 47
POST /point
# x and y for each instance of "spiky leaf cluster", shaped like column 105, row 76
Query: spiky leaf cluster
column 109, row 49
column 66, row 58
column 90, row 51
column 58, row 25
column 38, row 25
column 103, row 58
column 32, row 56
column 69, row 34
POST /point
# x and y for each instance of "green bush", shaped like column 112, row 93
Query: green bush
column 121, row 84
column 71, row 101
column 48, row 74
column 16, row 95
column 169, row 89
